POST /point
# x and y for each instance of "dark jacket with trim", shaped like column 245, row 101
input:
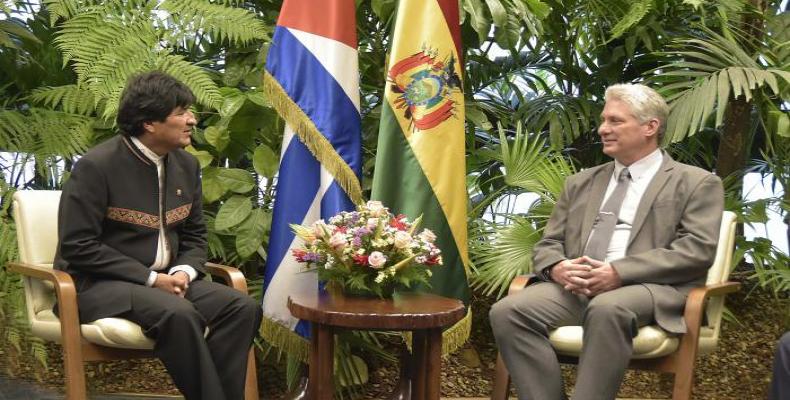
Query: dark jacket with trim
column 108, row 222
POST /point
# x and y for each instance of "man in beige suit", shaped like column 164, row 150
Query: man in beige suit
column 625, row 244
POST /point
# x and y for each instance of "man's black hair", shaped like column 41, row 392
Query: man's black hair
column 149, row 97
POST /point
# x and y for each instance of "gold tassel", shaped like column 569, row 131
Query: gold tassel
column 453, row 337
column 286, row 340
column 318, row 145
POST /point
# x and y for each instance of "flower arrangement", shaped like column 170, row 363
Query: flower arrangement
column 368, row 252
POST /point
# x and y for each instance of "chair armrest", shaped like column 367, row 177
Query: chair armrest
column 65, row 293
column 695, row 303
column 232, row 276
column 520, row 282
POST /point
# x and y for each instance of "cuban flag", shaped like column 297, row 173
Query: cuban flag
column 312, row 80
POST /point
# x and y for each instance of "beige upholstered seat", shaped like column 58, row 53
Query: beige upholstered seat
column 36, row 214
column 36, row 218
column 653, row 347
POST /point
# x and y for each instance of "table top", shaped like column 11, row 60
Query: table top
column 405, row 311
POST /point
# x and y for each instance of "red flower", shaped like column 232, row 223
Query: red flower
column 432, row 260
column 341, row 229
column 299, row 254
column 360, row 259
column 398, row 223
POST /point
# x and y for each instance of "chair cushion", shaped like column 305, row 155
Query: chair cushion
column 651, row 341
column 110, row 332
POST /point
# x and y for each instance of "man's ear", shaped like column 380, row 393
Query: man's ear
column 148, row 126
column 652, row 127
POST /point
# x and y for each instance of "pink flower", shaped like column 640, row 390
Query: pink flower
column 428, row 235
column 377, row 259
column 338, row 241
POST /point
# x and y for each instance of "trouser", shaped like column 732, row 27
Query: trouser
column 211, row 367
column 780, row 384
column 522, row 322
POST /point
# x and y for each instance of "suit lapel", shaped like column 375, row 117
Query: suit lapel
column 653, row 188
column 599, row 183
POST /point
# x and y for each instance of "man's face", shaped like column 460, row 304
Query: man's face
column 625, row 138
column 174, row 132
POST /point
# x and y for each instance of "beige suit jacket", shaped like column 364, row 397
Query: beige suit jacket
column 673, row 237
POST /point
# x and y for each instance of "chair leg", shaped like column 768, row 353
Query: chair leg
column 74, row 369
column 684, row 377
column 251, row 386
column 501, row 380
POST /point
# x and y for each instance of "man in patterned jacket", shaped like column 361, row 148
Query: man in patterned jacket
column 131, row 234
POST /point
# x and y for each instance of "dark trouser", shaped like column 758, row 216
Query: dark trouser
column 780, row 384
column 521, row 324
column 210, row 368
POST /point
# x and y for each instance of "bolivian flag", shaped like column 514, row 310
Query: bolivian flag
column 420, row 167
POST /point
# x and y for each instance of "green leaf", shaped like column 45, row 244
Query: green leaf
column 212, row 185
column 539, row 8
column 779, row 123
column 383, row 8
column 217, row 137
column 252, row 231
column 477, row 18
column 204, row 158
column 233, row 212
column 477, row 116
column 265, row 161
column 231, row 105
column 498, row 13
column 258, row 98
column 236, row 180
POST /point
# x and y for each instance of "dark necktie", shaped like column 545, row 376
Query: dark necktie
column 606, row 220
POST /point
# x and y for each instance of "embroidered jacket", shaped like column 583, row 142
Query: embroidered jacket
column 108, row 222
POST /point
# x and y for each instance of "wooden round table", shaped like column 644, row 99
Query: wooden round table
column 423, row 314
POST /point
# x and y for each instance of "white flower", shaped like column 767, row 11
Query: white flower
column 376, row 208
column 338, row 241
column 380, row 277
column 320, row 229
column 402, row 239
column 420, row 259
column 377, row 259
column 372, row 223
column 427, row 235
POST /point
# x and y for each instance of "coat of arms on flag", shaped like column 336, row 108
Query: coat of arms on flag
column 425, row 84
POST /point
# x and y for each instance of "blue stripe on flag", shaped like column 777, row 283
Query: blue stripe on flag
column 297, row 186
column 317, row 93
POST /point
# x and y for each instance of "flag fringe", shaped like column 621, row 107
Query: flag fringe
column 318, row 145
column 452, row 338
column 286, row 340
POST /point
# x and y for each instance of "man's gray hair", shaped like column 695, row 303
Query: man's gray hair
column 645, row 103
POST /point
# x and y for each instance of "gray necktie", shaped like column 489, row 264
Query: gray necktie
column 606, row 220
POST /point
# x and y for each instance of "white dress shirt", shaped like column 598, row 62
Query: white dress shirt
column 162, row 249
column 642, row 172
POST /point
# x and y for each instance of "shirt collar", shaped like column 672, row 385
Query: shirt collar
column 156, row 158
column 642, row 166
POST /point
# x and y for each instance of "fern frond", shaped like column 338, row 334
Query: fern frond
column 234, row 25
column 70, row 98
column 198, row 79
column 635, row 14
column 67, row 9
column 93, row 36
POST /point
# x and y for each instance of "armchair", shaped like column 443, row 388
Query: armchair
column 36, row 216
column 655, row 349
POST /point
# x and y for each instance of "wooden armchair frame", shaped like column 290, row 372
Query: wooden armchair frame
column 77, row 350
column 681, row 361
column 35, row 214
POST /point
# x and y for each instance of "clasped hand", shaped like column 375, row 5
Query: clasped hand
column 176, row 284
column 585, row 276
